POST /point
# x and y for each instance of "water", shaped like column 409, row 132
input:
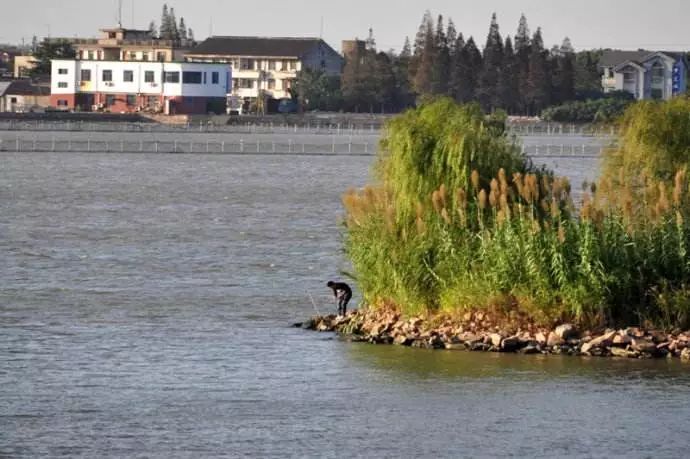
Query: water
column 144, row 311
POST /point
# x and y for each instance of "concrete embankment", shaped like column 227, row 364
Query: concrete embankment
column 478, row 331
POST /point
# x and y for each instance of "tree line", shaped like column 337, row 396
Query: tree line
column 169, row 28
column 518, row 75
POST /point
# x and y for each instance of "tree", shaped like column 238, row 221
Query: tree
column 48, row 50
column 401, row 65
column 190, row 34
column 165, row 31
column 441, row 63
column 153, row 30
column 423, row 58
column 491, row 69
column 174, row 32
column 587, row 75
column 182, row 29
column 457, row 65
column 370, row 43
column 317, row 90
column 539, row 81
column 34, row 44
column 468, row 64
column 522, row 54
column 563, row 72
column 384, row 83
column 507, row 83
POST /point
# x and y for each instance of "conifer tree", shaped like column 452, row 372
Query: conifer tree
column 401, row 69
column 538, row 81
column 164, row 32
column 522, row 54
column 507, row 82
column 419, row 43
column 469, row 67
column 422, row 82
column 153, row 31
column 174, row 32
column 190, row 34
column 441, row 63
column 182, row 29
column 457, row 67
column 491, row 69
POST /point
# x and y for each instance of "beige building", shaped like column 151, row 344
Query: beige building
column 120, row 44
column 267, row 64
column 23, row 96
column 23, row 65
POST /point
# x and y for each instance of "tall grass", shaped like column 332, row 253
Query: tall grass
column 459, row 219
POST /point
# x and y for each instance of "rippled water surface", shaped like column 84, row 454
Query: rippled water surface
column 144, row 311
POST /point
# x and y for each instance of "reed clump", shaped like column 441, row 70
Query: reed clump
column 460, row 219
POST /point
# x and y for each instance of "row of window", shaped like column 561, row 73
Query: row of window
column 125, row 55
column 255, row 64
column 188, row 77
column 247, row 83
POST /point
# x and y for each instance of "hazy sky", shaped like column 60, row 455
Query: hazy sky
column 660, row 24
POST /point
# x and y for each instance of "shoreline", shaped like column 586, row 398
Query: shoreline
column 480, row 332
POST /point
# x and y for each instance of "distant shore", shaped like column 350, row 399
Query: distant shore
column 480, row 331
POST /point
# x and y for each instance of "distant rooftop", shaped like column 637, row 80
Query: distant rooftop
column 256, row 46
column 615, row 57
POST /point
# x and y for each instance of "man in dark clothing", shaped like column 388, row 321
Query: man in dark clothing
column 342, row 293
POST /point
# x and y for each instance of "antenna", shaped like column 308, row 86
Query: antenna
column 119, row 13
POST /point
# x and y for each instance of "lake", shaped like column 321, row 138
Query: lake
column 145, row 304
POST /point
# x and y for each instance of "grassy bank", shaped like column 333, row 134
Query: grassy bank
column 458, row 219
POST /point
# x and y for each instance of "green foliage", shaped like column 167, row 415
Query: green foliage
column 48, row 50
column 318, row 90
column 459, row 219
column 591, row 111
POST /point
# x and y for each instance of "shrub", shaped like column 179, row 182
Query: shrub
column 459, row 219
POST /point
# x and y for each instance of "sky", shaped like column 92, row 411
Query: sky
column 658, row 25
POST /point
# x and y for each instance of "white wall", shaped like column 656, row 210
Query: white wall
column 138, row 85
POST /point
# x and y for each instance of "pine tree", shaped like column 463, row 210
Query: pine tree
column 451, row 38
column 539, row 81
column 190, row 34
column 401, row 66
column 457, row 67
column 422, row 58
column 522, row 55
column 182, row 29
column 587, row 76
column 507, row 83
column 491, row 70
column 153, row 29
column 174, row 32
column 468, row 67
column 384, row 83
column 563, row 71
column 441, row 63
column 165, row 32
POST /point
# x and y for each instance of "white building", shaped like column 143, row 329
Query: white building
column 644, row 74
column 131, row 86
column 266, row 64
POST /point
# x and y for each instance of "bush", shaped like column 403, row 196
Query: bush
column 459, row 219
column 591, row 111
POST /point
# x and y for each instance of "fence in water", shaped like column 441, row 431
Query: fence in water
column 326, row 128
column 252, row 147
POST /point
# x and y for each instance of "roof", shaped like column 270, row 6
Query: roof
column 612, row 58
column 23, row 88
column 256, row 46
column 615, row 58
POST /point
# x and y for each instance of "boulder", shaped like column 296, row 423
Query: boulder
column 469, row 338
column 510, row 344
column 600, row 341
column 531, row 349
column 566, row 331
column 403, row 340
column 642, row 345
column 554, row 339
column 685, row 355
column 496, row 339
column 540, row 338
column 625, row 353
column 622, row 339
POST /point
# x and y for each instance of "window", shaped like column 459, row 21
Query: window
column 284, row 65
column 131, row 99
column 62, row 71
column 271, row 84
column 271, row 65
column 629, row 77
column 214, row 77
column 191, row 77
column 152, row 101
column 287, row 84
column 171, row 77
column 107, row 75
column 246, row 83
column 658, row 74
column 148, row 76
column 85, row 75
column 144, row 56
column 109, row 100
column 247, row 64
column 132, row 56
column 235, row 83
column 293, row 65
column 128, row 76
column 62, row 103
column 13, row 100
column 160, row 56
column 90, row 55
column 657, row 94
column 62, row 84
column 205, row 77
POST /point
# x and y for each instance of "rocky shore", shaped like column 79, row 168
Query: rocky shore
column 479, row 331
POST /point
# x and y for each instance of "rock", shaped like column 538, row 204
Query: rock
column 598, row 342
column 510, row 344
column 685, row 355
column 476, row 347
column 642, row 345
column 455, row 347
column 540, row 338
column 435, row 342
column 496, row 339
column 531, row 349
column 634, row 332
column 625, row 353
column 566, row 331
column 622, row 339
column 403, row 340
column 554, row 339
column 469, row 338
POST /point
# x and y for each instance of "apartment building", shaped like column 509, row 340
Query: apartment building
column 134, row 86
column 267, row 65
